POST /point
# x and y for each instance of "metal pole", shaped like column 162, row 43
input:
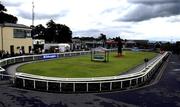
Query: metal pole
column 33, row 12
column 2, row 37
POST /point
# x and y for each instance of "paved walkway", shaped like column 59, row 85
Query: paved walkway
column 165, row 93
column 12, row 68
column 141, row 66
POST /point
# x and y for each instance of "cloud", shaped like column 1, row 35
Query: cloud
column 108, row 10
column 130, row 19
column 40, row 16
column 90, row 32
column 151, row 2
column 111, row 31
column 11, row 3
column 174, row 19
column 147, row 9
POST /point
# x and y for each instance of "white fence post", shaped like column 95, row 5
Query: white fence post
column 60, row 87
column 34, row 83
column 121, row 84
column 74, row 87
column 110, row 86
column 87, row 87
column 47, row 85
column 130, row 82
column 14, row 60
column 23, row 83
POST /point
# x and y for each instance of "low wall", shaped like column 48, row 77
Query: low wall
column 76, row 85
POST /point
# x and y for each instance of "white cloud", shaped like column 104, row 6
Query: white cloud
column 158, row 29
column 92, row 17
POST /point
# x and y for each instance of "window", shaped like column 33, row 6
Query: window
column 19, row 33
column 22, row 33
column 28, row 33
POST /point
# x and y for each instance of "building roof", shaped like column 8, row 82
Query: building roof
column 141, row 41
column 15, row 25
column 111, row 42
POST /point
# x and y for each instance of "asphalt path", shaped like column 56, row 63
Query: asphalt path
column 163, row 91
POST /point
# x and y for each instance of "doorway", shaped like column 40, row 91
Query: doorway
column 12, row 50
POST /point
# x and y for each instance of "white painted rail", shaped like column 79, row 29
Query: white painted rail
column 94, row 84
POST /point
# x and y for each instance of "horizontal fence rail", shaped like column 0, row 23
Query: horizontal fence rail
column 70, row 85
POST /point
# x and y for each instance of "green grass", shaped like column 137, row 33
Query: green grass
column 82, row 66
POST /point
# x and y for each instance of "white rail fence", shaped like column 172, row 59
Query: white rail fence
column 70, row 85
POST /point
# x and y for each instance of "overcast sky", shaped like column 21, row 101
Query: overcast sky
column 157, row 20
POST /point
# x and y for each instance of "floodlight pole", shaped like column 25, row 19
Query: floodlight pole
column 33, row 12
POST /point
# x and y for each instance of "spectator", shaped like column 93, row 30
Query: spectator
column 31, row 51
column 20, row 51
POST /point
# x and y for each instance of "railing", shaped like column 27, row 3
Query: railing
column 96, row 84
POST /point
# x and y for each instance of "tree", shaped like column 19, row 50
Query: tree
column 54, row 33
column 2, row 8
column 50, row 32
column 38, row 32
column 58, row 33
column 6, row 18
column 87, row 38
column 64, row 33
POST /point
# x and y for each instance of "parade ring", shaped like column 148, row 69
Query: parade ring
column 78, row 85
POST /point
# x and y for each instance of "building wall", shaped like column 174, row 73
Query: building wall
column 8, row 40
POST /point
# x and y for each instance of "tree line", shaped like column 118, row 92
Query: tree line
column 53, row 33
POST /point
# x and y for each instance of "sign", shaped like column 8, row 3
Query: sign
column 50, row 56
column 38, row 42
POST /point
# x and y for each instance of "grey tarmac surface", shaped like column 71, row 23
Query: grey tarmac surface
column 163, row 93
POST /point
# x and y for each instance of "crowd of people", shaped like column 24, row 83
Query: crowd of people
column 4, row 54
